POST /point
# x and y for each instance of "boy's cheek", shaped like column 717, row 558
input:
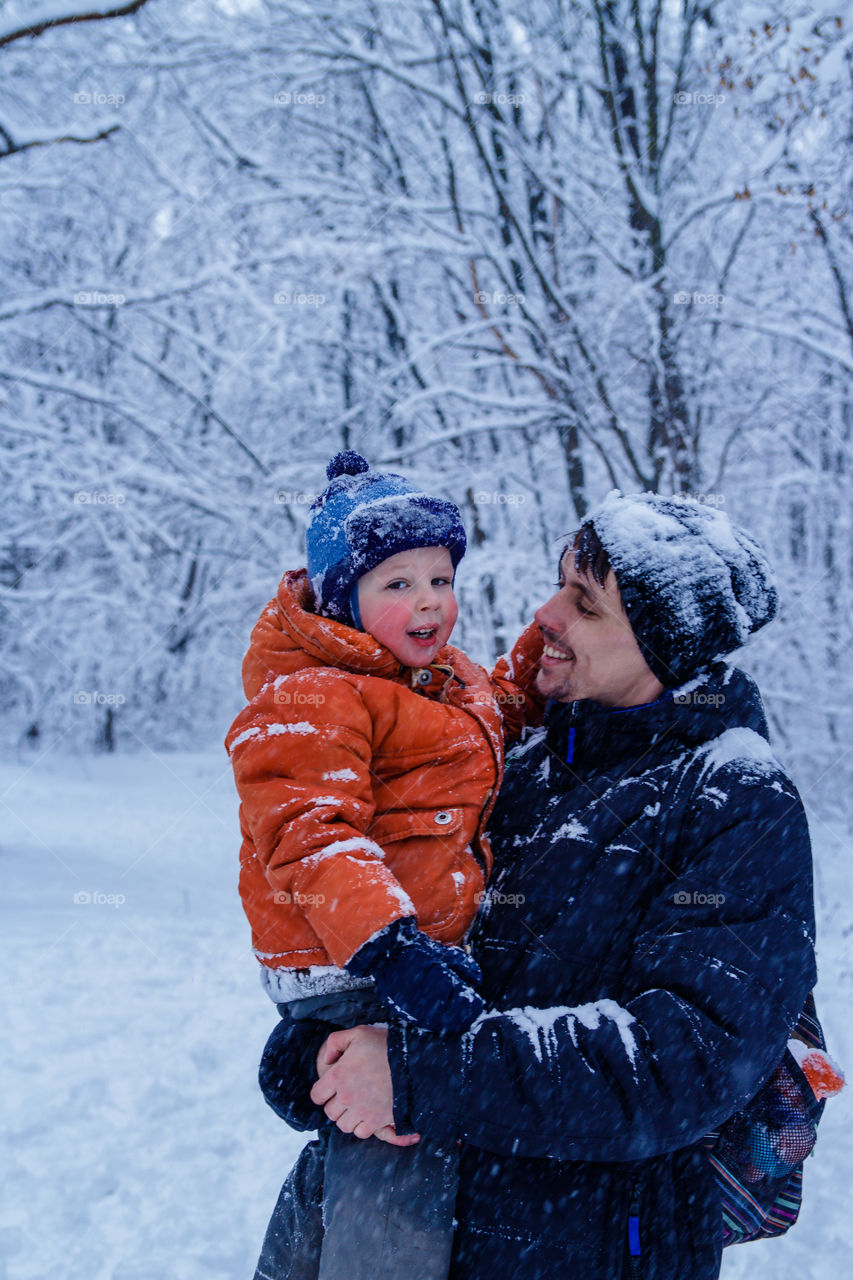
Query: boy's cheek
column 452, row 614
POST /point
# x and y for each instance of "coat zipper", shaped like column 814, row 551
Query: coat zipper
column 634, row 1251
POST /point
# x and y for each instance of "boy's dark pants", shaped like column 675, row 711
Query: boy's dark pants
column 361, row 1209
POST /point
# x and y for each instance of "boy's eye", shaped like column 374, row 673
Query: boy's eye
column 396, row 584
column 440, row 582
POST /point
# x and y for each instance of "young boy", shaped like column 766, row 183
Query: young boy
column 367, row 763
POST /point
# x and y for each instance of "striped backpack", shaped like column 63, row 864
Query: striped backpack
column 757, row 1154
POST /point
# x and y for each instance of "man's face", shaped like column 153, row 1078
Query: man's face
column 590, row 650
column 407, row 603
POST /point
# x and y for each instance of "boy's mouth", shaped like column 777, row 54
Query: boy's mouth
column 425, row 635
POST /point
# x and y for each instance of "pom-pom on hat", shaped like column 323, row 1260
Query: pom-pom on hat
column 693, row 585
column 361, row 519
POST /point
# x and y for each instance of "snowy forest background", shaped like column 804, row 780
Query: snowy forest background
column 526, row 252
column 523, row 251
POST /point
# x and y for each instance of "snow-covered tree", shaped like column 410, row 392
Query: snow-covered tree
column 524, row 252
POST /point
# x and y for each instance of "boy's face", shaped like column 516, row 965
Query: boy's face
column 407, row 603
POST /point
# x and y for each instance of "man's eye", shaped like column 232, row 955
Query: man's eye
column 587, row 613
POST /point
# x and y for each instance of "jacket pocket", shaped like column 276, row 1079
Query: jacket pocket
column 426, row 851
column 409, row 824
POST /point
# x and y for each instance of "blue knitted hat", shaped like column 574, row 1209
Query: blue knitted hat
column 361, row 519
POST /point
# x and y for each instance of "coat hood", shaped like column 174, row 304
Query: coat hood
column 289, row 636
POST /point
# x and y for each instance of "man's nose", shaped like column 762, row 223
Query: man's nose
column 547, row 616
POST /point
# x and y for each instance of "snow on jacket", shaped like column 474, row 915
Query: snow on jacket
column 648, row 936
column 364, row 785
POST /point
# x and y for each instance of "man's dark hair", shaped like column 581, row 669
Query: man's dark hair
column 590, row 556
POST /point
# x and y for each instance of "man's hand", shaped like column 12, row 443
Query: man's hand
column 354, row 1086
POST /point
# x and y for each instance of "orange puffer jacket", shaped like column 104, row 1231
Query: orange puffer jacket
column 365, row 786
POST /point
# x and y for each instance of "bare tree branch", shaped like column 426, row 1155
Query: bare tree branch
column 38, row 25
column 13, row 148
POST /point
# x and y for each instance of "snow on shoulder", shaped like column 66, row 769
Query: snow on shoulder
column 742, row 747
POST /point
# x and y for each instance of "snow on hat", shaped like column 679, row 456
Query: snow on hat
column 693, row 585
column 361, row 519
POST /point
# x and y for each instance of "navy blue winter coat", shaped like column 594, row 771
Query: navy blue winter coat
column 649, row 940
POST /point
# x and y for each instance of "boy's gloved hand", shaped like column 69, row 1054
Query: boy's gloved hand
column 425, row 981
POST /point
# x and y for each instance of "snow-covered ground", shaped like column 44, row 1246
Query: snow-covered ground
column 137, row 1144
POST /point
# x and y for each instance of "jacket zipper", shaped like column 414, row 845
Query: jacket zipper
column 634, row 1251
column 574, row 716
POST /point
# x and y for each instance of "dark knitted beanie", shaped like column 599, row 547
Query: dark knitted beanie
column 361, row 519
column 694, row 586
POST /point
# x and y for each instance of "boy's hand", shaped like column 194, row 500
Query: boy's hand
column 421, row 979
column 354, row 1086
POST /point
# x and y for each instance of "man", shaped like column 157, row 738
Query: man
column 647, row 942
